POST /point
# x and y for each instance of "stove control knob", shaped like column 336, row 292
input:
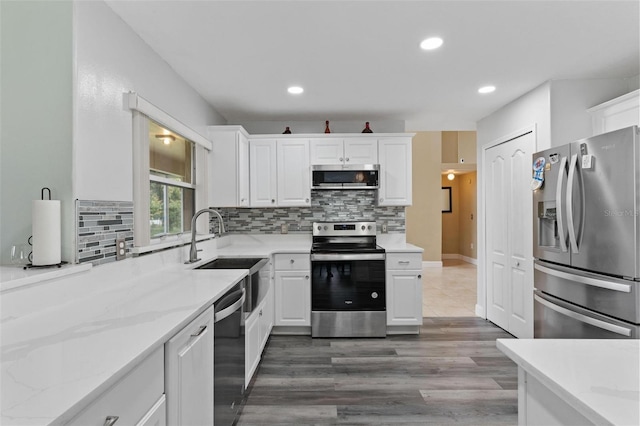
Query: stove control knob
column 326, row 227
column 374, row 295
column 363, row 227
column 369, row 227
column 319, row 228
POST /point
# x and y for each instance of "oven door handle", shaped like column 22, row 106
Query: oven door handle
column 347, row 256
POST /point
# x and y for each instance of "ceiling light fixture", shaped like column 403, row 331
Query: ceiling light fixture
column 167, row 139
column 431, row 43
column 295, row 90
column 486, row 89
column 451, row 176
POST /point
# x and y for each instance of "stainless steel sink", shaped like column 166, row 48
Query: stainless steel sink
column 231, row 263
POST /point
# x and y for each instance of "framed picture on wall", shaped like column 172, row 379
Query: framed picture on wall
column 446, row 199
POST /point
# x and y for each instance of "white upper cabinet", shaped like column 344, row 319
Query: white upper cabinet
column 618, row 113
column 263, row 187
column 361, row 151
column 395, row 171
column 294, row 175
column 228, row 167
column 344, row 151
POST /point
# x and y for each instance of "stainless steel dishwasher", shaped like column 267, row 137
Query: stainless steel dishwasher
column 228, row 355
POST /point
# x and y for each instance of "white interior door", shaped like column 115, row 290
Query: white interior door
column 508, row 213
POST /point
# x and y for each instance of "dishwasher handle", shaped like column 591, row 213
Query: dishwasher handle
column 224, row 313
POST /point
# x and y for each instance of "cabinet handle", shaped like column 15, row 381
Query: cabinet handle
column 403, row 262
column 292, row 261
column 306, row 200
column 341, row 159
column 200, row 331
column 260, row 312
column 381, row 199
column 306, row 277
column 419, row 277
column 347, row 159
column 110, row 420
column 273, row 200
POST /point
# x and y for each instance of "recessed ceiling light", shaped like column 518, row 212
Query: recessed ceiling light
column 451, row 176
column 295, row 90
column 487, row 89
column 431, row 43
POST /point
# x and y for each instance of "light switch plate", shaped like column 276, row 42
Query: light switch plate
column 284, row 228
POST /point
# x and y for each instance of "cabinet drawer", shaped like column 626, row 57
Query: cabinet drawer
column 131, row 398
column 401, row 261
column 292, row 262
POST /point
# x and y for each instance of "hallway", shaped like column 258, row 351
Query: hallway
column 449, row 291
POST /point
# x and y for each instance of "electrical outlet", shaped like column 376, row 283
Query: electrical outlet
column 121, row 249
column 384, row 227
column 284, row 228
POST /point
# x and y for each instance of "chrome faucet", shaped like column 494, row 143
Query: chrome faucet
column 193, row 251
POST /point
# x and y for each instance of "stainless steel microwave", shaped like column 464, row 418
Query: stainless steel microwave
column 352, row 176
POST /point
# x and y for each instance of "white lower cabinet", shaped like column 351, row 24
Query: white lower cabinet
column 189, row 373
column 257, row 329
column 157, row 416
column 404, row 289
column 132, row 399
column 292, row 289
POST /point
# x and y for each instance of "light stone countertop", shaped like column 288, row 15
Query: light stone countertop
column 598, row 378
column 67, row 337
column 70, row 333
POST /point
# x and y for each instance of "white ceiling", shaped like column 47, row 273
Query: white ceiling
column 360, row 60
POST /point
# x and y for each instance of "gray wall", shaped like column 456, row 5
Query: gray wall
column 36, row 121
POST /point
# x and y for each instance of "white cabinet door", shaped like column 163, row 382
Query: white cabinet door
column 395, row 171
column 263, row 174
column 130, row 398
column 509, row 252
column 293, row 298
column 189, row 373
column 327, row 151
column 243, row 171
column 294, row 180
column 228, row 168
column 157, row 415
column 404, row 297
column 252, row 343
column 266, row 318
column 361, row 151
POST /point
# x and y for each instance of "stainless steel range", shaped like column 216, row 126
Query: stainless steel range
column 347, row 281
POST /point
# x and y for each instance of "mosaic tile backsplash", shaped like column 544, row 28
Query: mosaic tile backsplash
column 326, row 206
column 98, row 225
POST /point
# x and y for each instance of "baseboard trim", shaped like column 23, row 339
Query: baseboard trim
column 460, row 257
column 432, row 264
column 480, row 311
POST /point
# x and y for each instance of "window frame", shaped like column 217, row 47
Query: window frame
column 142, row 112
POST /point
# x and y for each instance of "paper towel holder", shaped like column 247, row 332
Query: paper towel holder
column 29, row 240
column 42, row 193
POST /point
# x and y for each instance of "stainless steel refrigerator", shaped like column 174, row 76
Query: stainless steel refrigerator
column 587, row 238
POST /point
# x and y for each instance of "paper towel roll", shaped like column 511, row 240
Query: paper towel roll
column 45, row 226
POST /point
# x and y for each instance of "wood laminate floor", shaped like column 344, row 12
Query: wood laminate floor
column 451, row 373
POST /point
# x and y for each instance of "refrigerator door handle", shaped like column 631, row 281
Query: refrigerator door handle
column 583, row 318
column 573, row 164
column 624, row 288
column 561, row 170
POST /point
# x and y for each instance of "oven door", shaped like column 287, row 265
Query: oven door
column 348, row 282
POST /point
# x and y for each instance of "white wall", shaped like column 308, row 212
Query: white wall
column 111, row 59
column 570, row 100
column 557, row 112
column 36, row 120
column 317, row 126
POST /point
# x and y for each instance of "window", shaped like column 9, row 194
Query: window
column 171, row 183
column 170, row 177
